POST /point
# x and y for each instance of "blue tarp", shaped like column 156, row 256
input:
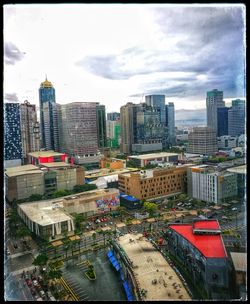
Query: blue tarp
column 128, row 291
column 130, row 198
column 113, row 260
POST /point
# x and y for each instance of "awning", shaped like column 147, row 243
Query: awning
column 128, row 291
column 113, row 260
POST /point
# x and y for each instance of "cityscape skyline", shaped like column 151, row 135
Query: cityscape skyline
column 158, row 53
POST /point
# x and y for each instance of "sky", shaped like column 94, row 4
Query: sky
column 118, row 53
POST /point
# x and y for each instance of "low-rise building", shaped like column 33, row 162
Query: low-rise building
column 52, row 218
column 111, row 164
column 239, row 260
column 41, row 157
column 209, row 185
column 227, row 142
column 23, row 181
column 154, row 183
column 154, row 158
column 199, row 248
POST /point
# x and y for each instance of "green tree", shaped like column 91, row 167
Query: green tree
column 35, row 197
column 150, row 207
column 131, row 164
column 60, row 193
column 83, row 188
column 122, row 211
column 40, row 260
column 79, row 219
column 22, row 232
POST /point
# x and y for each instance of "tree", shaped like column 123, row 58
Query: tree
column 22, row 232
column 94, row 238
column 40, row 260
column 150, row 207
column 83, row 188
column 122, row 211
column 35, row 197
column 60, row 193
column 79, row 218
column 131, row 164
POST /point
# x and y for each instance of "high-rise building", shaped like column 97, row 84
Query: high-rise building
column 158, row 102
column 202, row 140
column 213, row 102
column 113, row 133
column 12, row 135
column 128, row 126
column 47, row 97
column 170, row 122
column 113, row 116
column 29, row 129
column 150, row 129
column 237, row 118
column 101, row 126
column 222, row 121
column 50, row 123
column 78, row 132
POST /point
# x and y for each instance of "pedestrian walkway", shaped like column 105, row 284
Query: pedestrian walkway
column 20, row 271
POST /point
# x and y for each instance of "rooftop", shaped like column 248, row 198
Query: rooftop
column 239, row 260
column 55, row 164
column 211, row 246
column 45, row 153
column 149, row 265
column 153, row 155
column 21, row 170
column 45, row 213
column 239, row 169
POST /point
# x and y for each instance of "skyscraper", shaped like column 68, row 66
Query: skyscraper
column 222, row 121
column 158, row 102
column 213, row 102
column 47, row 95
column 29, row 129
column 170, row 122
column 128, row 126
column 202, row 140
column 101, row 126
column 113, row 133
column 78, row 133
column 113, row 116
column 236, row 118
column 12, row 135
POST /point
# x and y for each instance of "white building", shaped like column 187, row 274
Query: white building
column 206, row 184
column 227, row 142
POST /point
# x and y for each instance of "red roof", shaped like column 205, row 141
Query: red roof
column 211, row 246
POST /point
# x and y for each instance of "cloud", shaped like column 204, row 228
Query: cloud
column 12, row 53
column 11, row 97
column 206, row 42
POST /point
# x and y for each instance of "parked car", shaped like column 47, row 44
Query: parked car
column 35, row 283
column 29, row 283
column 234, row 209
column 42, row 294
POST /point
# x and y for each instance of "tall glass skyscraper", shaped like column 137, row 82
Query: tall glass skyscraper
column 222, row 121
column 170, row 122
column 101, row 126
column 12, row 135
column 47, row 95
column 158, row 102
column 236, row 118
column 213, row 102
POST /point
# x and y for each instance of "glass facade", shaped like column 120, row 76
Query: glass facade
column 47, row 95
column 12, row 132
column 170, row 122
column 101, row 126
column 113, row 116
column 222, row 121
column 236, row 118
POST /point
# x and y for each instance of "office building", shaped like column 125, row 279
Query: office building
column 150, row 129
column 170, row 123
column 23, row 181
column 209, row 185
column 114, row 116
column 222, row 121
column 154, row 158
column 199, row 249
column 227, row 142
column 30, row 134
column 157, row 102
column 203, row 141
column 51, row 219
column 78, row 131
column 12, row 135
column 128, row 127
column 48, row 123
column 237, row 118
column 113, row 133
column 101, row 126
column 154, row 183
column 213, row 102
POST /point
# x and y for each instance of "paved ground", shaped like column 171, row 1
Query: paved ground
column 152, row 271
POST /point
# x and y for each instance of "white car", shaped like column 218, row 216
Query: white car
column 234, row 209
column 35, row 283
